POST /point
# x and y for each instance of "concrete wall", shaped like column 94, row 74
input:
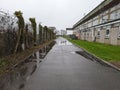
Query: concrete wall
column 114, row 35
column 118, row 41
column 92, row 34
column 102, row 36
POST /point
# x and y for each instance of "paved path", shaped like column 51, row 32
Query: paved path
column 63, row 69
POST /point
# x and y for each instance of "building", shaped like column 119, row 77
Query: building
column 69, row 31
column 102, row 24
column 63, row 32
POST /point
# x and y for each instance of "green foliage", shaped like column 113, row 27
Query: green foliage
column 46, row 33
column 106, row 52
column 19, row 39
column 2, row 62
column 40, row 33
column 21, row 22
column 33, row 22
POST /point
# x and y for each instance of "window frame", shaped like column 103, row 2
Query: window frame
column 98, row 32
column 118, row 33
column 106, row 33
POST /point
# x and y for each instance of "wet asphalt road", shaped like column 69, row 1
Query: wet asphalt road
column 63, row 69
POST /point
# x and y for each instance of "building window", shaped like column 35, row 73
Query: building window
column 87, row 34
column 98, row 33
column 119, row 33
column 107, row 33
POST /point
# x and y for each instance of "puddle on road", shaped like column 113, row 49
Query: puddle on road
column 64, row 42
column 91, row 57
column 73, row 52
column 16, row 79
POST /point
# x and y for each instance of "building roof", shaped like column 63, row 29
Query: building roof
column 100, row 8
column 69, row 28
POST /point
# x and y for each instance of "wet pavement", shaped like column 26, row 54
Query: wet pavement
column 63, row 69
column 16, row 77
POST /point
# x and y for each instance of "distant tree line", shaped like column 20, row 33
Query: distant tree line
column 16, row 35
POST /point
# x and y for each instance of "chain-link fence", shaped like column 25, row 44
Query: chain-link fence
column 11, row 41
column 9, row 32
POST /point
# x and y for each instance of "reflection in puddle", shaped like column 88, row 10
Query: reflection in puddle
column 16, row 79
column 21, row 86
column 64, row 42
column 88, row 56
column 73, row 52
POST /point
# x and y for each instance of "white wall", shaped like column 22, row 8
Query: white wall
column 69, row 32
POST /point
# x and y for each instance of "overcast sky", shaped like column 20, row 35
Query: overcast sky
column 59, row 13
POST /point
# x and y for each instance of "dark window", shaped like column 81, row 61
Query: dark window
column 119, row 34
column 98, row 33
column 107, row 32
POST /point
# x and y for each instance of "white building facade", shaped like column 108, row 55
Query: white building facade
column 102, row 24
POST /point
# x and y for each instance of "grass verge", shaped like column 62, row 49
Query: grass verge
column 106, row 52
